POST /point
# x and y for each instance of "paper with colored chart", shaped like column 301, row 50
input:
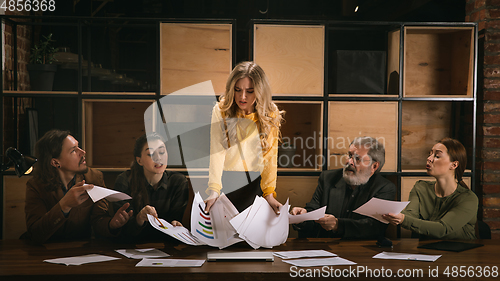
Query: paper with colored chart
column 178, row 232
column 214, row 228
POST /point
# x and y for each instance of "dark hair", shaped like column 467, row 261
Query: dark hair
column 457, row 152
column 138, row 182
column 46, row 148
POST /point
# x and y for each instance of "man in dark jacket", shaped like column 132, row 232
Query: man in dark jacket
column 57, row 204
column 344, row 190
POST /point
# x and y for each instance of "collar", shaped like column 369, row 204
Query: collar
column 161, row 184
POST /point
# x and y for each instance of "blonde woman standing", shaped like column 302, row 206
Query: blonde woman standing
column 244, row 136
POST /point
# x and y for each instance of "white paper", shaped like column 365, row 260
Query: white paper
column 142, row 253
column 98, row 192
column 81, row 259
column 376, row 207
column 303, row 254
column 178, row 232
column 262, row 227
column 169, row 263
column 319, row 262
column 214, row 228
column 309, row 216
column 221, row 212
column 410, row 257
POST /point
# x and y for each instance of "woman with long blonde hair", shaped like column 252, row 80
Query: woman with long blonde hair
column 244, row 136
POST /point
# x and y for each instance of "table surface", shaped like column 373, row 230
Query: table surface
column 20, row 260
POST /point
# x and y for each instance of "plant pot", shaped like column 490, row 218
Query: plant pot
column 42, row 76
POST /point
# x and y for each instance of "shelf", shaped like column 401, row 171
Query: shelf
column 302, row 129
column 110, row 128
column 438, row 61
column 36, row 93
column 423, row 170
column 114, row 61
column 348, row 120
column 363, row 60
column 383, row 96
column 407, row 184
column 120, row 93
column 424, row 123
column 193, row 53
column 292, row 57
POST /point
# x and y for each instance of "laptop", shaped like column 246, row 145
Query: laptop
column 240, row 256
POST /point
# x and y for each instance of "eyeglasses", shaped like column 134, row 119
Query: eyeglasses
column 356, row 158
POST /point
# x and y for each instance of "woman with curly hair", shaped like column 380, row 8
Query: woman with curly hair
column 244, row 136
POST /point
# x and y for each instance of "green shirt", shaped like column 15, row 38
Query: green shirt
column 450, row 217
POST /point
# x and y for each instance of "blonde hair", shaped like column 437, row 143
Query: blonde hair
column 266, row 111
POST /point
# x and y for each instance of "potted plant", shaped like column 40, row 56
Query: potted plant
column 41, row 68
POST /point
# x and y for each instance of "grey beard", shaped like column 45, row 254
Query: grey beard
column 358, row 178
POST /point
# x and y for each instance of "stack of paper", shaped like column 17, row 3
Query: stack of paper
column 320, row 262
column 223, row 226
column 303, row 254
column 82, row 259
column 409, row 257
column 260, row 226
column 169, row 263
column 331, row 260
column 142, row 253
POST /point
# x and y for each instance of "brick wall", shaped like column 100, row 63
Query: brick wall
column 23, row 54
column 487, row 14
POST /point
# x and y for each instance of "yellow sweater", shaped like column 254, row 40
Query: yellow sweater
column 245, row 153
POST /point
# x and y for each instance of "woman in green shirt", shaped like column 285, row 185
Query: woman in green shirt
column 445, row 208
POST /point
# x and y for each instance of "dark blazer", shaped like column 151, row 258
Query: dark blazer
column 44, row 217
column 331, row 193
column 170, row 200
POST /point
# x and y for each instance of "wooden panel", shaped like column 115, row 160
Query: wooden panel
column 298, row 190
column 14, row 221
column 407, row 184
column 112, row 129
column 438, row 61
column 393, row 62
column 303, row 130
column 348, row 120
column 193, row 53
column 424, row 124
column 292, row 57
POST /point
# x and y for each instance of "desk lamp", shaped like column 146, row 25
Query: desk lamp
column 22, row 164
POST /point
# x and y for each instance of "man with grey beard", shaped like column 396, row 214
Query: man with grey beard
column 344, row 190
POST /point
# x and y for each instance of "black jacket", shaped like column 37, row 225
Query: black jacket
column 331, row 193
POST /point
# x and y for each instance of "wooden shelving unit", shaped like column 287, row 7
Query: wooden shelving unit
column 422, row 90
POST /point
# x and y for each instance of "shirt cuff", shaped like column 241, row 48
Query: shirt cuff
column 213, row 187
column 340, row 227
column 269, row 190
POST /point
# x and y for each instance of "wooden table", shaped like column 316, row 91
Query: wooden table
column 21, row 261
